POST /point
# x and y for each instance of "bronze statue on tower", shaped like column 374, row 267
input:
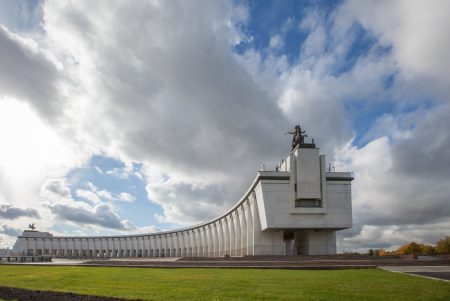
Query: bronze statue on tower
column 298, row 138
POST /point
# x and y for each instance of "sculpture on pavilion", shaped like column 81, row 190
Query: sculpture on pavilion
column 298, row 137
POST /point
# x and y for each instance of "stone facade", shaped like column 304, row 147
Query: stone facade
column 295, row 210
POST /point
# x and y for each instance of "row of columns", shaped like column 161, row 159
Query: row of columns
column 233, row 234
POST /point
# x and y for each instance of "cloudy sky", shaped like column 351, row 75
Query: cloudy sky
column 134, row 116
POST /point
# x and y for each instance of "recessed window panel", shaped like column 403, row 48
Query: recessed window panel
column 308, row 203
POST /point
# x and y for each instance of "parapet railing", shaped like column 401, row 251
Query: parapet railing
column 15, row 258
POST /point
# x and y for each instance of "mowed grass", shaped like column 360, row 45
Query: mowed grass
column 226, row 284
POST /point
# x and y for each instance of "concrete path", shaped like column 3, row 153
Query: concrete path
column 437, row 272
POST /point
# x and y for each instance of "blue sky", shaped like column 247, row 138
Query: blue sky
column 134, row 117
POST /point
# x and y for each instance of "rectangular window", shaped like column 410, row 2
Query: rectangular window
column 310, row 203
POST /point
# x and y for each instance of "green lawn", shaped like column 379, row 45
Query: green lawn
column 226, row 284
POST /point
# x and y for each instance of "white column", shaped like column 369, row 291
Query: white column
column 173, row 237
column 88, row 247
column 226, row 231
column 168, row 252
column 153, row 246
column 147, row 245
column 243, row 232
column 132, row 247
column 207, row 246
column 113, row 247
column 237, row 232
column 169, row 245
column 101, row 248
column 256, row 226
column 186, row 243
column 129, row 242
column 165, row 245
column 190, row 247
column 198, row 242
column 232, row 234
column 216, row 239
column 196, row 237
column 157, row 246
column 209, row 241
column 125, row 247
column 177, row 242
column 249, row 220
column 73, row 248
column 161, row 245
column 182, row 243
column 220, row 238
column 195, row 240
column 204, row 242
column 185, row 238
column 142, row 246
column 176, row 245
column 192, row 243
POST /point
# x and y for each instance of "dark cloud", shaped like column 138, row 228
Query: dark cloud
column 27, row 73
column 101, row 215
column 56, row 187
column 10, row 231
column 426, row 154
column 10, row 212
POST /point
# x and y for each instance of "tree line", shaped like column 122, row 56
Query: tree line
column 442, row 247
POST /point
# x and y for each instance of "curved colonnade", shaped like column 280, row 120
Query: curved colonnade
column 230, row 234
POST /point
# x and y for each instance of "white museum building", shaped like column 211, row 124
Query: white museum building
column 294, row 210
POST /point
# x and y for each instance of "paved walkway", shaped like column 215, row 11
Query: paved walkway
column 438, row 272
